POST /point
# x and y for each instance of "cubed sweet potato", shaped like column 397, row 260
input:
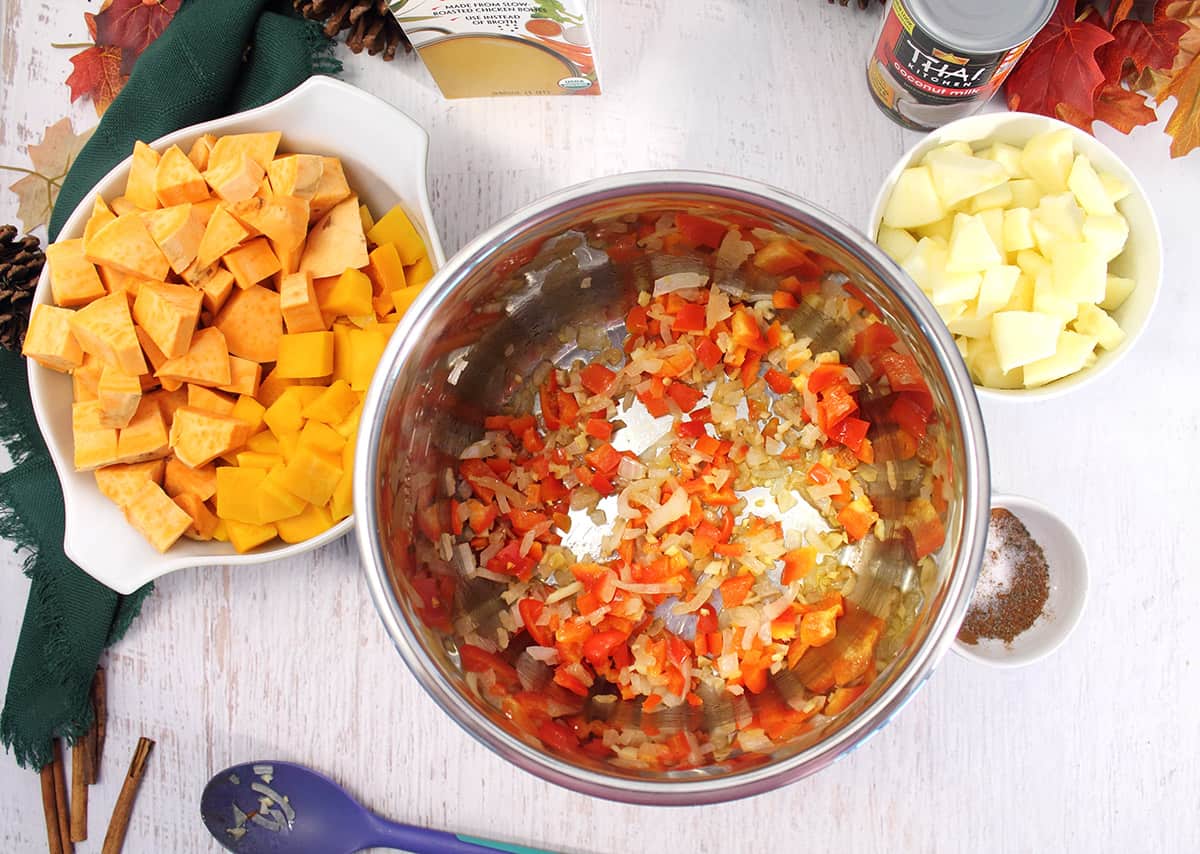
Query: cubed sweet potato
column 252, row 262
column 159, row 519
column 296, row 175
column 180, row 478
column 332, row 189
column 139, row 186
column 177, row 181
column 236, row 179
column 101, row 216
column 200, row 151
column 200, row 397
column 298, row 303
column 104, row 327
column 95, row 445
column 222, row 234
column 145, row 436
column 126, row 245
column 49, row 340
column 73, row 278
column 204, row 523
column 282, row 219
column 336, row 243
column 119, row 394
column 199, row 437
column 120, row 483
column 244, row 376
column 205, row 363
column 169, row 314
column 252, row 324
column 178, row 231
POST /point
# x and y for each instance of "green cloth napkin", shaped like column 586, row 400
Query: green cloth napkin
column 215, row 58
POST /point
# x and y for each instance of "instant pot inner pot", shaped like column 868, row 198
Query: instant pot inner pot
column 557, row 289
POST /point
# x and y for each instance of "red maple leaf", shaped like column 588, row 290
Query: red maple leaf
column 1060, row 67
column 97, row 74
column 1123, row 109
column 1152, row 45
column 131, row 24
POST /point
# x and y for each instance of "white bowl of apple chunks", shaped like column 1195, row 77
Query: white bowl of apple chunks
column 1035, row 243
column 208, row 323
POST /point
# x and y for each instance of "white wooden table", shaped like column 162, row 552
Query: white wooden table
column 1094, row 749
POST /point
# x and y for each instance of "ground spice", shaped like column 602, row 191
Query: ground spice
column 1014, row 583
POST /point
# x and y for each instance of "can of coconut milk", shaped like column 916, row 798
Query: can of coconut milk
column 939, row 60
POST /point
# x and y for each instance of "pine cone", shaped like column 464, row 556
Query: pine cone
column 371, row 24
column 862, row 4
column 21, row 263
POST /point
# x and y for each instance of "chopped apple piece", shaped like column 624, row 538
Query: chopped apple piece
column 1088, row 189
column 996, row 289
column 985, row 366
column 1107, row 233
column 926, row 263
column 1008, row 156
column 1116, row 290
column 1080, row 272
column 997, row 197
column 1049, row 300
column 1096, row 323
column 1070, row 354
column 1018, row 234
column 914, row 200
column 971, row 247
column 896, row 242
column 1048, row 158
column 1114, row 187
column 1022, row 337
column 958, row 177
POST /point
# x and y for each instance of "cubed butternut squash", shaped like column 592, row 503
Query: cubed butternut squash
column 397, row 229
column 304, row 526
column 237, row 493
column 245, row 537
column 349, row 296
column 251, row 411
column 366, row 348
column 305, row 355
column 311, row 475
column 335, row 403
column 419, row 273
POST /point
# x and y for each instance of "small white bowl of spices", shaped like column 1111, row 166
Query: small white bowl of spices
column 1032, row 587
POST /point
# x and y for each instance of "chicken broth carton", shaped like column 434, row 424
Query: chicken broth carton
column 480, row 48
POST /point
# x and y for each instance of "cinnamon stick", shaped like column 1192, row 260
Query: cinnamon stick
column 81, row 767
column 100, row 707
column 114, row 839
column 60, row 799
column 50, row 810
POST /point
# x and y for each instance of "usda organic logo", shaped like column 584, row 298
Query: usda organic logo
column 574, row 83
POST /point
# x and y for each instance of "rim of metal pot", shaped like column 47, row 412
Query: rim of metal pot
column 701, row 790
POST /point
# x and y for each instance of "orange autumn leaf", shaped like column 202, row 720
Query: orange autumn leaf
column 1123, row 109
column 97, row 75
column 1184, row 124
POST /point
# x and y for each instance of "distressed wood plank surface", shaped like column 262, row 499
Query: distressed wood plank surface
column 1094, row 749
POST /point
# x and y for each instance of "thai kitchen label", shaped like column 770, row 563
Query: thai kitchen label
column 482, row 48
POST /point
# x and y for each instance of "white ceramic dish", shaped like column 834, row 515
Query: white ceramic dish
column 1067, row 563
column 384, row 153
column 1141, row 260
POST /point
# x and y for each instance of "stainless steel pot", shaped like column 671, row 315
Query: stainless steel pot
column 472, row 344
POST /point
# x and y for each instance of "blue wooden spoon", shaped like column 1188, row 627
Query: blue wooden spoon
column 283, row 807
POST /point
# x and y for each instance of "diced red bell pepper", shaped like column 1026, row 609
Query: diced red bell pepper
column 434, row 519
column 835, row 404
column 818, row 628
column 599, row 428
column 874, row 339
column 735, row 590
column 902, row 372
column 599, row 646
column 925, row 525
column 478, row 660
column 597, row 379
column 755, row 666
column 841, row 698
column 548, row 397
column 691, row 429
column 851, row 432
column 786, row 256
column 531, row 610
column 624, row 249
column 572, row 684
column 798, row 563
column 480, row 516
column 909, row 414
column 602, row 483
column 510, row 561
column 708, row 353
column 517, row 426
column 825, row 376
column 706, row 619
column 689, row 318
column 496, row 422
column 437, row 596
column 857, row 518
column 525, row 520
column 750, row 370
column 700, row 231
column 532, row 441
column 745, row 331
column 568, row 409
column 556, row 736
column 604, row 459
column 799, row 288
column 684, row 395
column 784, row 299
column 472, row 471
column 637, row 321
column 778, row 381
column 819, row 474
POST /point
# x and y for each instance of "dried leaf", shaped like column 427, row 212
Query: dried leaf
column 1114, row 13
column 1152, row 45
column 51, row 159
column 1184, row 124
column 132, row 24
column 1060, row 66
column 1123, row 109
column 97, row 75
